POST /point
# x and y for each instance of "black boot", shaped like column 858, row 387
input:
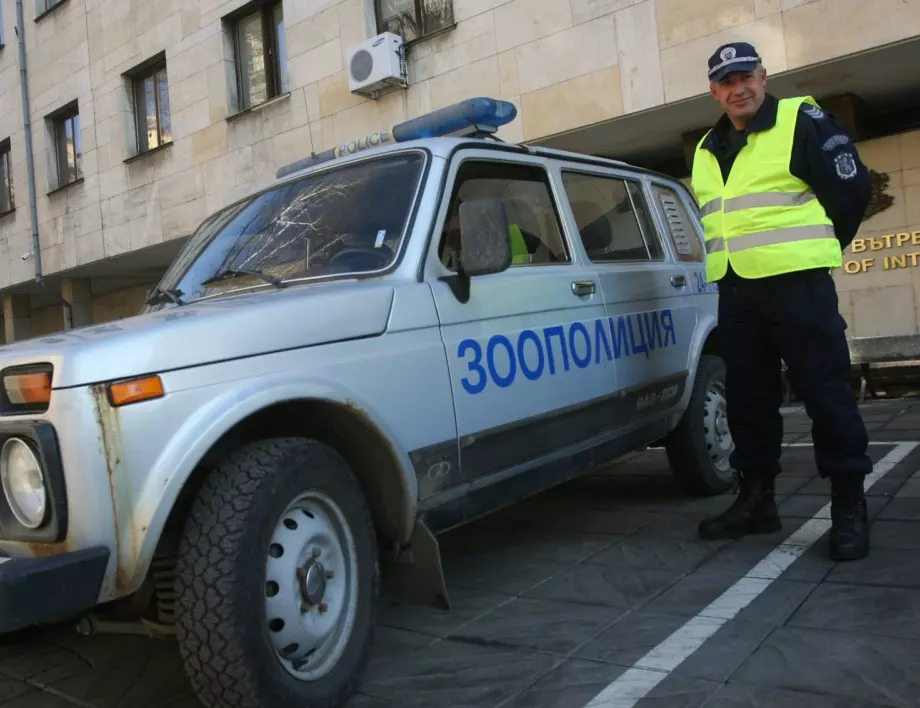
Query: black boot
column 849, row 537
column 753, row 512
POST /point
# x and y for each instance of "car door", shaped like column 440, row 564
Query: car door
column 520, row 349
column 651, row 319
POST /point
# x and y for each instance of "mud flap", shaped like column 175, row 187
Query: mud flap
column 417, row 576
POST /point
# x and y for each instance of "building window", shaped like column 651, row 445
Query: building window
column 7, row 202
column 43, row 7
column 260, row 53
column 414, row 19
column 151, row 108
column 67, row 145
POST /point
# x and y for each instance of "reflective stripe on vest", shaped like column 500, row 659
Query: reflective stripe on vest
column 751, row 201
column 765, row 220
column 769, row 238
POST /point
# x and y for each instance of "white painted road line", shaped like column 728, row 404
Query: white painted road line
column 653, row 668
column 891, row 443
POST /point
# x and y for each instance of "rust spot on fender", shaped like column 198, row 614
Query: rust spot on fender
column 365, row 416
column 108, row 424
column 44, row 550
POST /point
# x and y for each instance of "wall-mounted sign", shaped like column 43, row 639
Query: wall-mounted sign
column 881, row 243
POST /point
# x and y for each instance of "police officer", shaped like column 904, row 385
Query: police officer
column 782, row 191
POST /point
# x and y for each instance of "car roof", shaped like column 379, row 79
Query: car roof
column 444, row 147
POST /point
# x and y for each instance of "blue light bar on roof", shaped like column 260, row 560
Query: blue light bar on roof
column 485, row 115
column 470, row 117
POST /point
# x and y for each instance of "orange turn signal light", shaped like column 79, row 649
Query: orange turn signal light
column 136, row 390
column 26, row 389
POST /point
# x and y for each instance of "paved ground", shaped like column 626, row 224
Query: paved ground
column 601, row 587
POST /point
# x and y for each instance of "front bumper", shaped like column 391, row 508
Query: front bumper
column 50, row 589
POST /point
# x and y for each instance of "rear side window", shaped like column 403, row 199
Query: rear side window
column 535, row 230
column 680, row 228
column 612, row 218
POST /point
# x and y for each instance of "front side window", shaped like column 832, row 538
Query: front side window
column 344, row 221
column 151, row 106
column 414, row 19
column 612, row 218
column 7, row 203
column 68, row 146
column 261, row 54
column 534, row 228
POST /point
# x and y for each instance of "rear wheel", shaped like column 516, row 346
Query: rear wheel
column 278, row 577
column 698, row 448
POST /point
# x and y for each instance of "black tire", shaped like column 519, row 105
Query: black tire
column 222, row 629
column 687, row 448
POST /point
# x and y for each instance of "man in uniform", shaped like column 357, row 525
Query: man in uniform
column 782, row 191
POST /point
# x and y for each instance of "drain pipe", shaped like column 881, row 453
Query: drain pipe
column 27, row 123
column 30, row 166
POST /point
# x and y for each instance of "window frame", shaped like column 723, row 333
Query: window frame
column 421, row 19
column 449, row 193
column 137, row 80
column 6, row 163
column 46, row 7
column 627, row 178
column 275, row 64
column 58, row 120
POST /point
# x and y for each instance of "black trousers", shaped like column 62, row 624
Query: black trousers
column 795, row 318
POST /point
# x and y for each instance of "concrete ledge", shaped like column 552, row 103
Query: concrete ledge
column 873, row 350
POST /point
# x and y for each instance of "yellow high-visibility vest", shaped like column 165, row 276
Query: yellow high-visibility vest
column 765, row 220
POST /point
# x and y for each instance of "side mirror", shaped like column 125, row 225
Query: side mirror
column 485, row 245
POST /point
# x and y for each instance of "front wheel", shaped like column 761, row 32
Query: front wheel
column 698, row 448
column 277, row 579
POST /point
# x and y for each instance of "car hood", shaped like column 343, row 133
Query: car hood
column 201, row 333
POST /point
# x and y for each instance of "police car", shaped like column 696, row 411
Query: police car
column 394, row 338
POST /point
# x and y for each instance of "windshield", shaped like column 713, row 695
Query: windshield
column 348, row 220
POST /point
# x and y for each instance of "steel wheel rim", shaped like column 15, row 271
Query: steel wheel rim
column 718, row 437
column 311, row 581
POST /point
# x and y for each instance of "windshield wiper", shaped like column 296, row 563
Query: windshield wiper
column 162, row 294
column 240, row 272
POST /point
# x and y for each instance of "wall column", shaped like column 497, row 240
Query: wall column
column 17, row 317
column 78, row 293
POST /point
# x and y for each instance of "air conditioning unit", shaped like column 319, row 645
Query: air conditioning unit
column 377, row 64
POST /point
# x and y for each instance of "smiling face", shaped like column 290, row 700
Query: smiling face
column 741, row 94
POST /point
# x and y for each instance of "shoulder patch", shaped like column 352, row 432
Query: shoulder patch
column 813, row 112
column 835, row 141
column 846, row 165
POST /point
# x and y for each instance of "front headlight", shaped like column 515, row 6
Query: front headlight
column 23, row 483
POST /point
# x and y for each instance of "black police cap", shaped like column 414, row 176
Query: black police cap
column 735, row 56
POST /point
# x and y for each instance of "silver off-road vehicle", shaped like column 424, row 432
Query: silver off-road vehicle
column 394, row 338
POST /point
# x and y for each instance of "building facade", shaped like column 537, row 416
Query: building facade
column 147, row 116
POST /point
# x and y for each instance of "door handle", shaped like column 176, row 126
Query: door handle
column 583, row 287
column 678, row 281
